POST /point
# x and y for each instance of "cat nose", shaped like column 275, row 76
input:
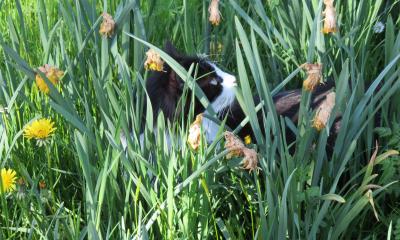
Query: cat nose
column 230, row 80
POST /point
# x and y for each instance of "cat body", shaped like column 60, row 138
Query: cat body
column 166, row 88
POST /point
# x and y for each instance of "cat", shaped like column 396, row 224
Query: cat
column 165, row 90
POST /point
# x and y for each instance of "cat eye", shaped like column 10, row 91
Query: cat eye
column 214, row 82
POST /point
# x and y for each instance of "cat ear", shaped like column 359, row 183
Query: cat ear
column 170, row 49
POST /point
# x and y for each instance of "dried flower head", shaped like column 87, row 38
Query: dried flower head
column 52, row 73
column 215, row 17
column 250, row 159
column 330, row 17
column 42, row 184
column 324, row 111
column 233, row 145
column 314, row 75
column 194, row 136
column 8, row 179
column 236, row 148
column 41, row 130
column 107, row 26
column 153, row 61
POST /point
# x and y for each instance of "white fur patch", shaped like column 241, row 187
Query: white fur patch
column 227, row 96
column 221, row 103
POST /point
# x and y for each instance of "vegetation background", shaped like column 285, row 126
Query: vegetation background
column 81, row 184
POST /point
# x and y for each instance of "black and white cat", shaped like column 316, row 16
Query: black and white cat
column 165, row 90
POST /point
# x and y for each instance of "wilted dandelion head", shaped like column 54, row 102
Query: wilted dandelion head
column 250, row 160
column 41, row 130
column 8, row 178
column 330, row 17
column 52, row 73
column 233, row 144
column 107, row 26
column 194, row 136
column 153, row 61
column 314, row 75
column 215, row 17
column 324, row 111
column 42, row 184
column 236, row 148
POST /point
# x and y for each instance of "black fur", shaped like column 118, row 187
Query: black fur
column 165, row 88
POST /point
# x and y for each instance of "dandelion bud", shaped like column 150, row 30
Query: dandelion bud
column 107, row 26
column 52, row 73
column 330, row 17
column 324, row 111
column 314, row 72
column 153, row 61
column 194, row 136
column 247, row 140
column 215, row 17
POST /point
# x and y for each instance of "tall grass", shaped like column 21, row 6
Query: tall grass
column 97, row 190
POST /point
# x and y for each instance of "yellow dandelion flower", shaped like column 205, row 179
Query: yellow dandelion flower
column 324, row 111
column 8, row 178
column 330, row 17
column 40, row 130
column 107, row 26
column 194, row 136
column 247, row 140
column 153, row 61
column 215, row 17
column 52, row 73
column 314, row 75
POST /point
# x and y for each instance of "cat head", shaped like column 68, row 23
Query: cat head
column 166, row 88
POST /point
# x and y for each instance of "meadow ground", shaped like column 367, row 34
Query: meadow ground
column 64, row 174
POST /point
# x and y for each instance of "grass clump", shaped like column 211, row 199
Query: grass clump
column 81, row 183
